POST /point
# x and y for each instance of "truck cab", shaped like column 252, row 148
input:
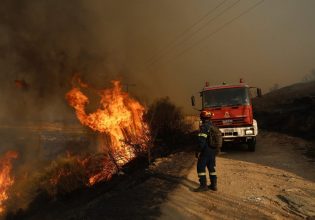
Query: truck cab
column 232, row 111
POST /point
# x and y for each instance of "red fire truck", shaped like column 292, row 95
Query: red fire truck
column 232, row 110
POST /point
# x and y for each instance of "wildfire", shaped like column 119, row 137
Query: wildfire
column 119, row 119
column 5, row 179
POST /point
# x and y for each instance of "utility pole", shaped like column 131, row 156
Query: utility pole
column 128, row 85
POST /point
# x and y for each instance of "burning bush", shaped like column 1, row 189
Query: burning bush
column 121, row 134
column 63, row 175
column 6, row 180
column 72, row 172
column 119, row 118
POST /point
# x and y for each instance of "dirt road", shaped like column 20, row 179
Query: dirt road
column 275, row 182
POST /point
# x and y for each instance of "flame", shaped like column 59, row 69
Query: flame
column 119, row 119
column 5, row 179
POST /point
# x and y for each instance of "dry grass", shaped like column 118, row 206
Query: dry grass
column 62, row 176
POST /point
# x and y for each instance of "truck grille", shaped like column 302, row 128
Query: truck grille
column 228, row 122
column 229, row 134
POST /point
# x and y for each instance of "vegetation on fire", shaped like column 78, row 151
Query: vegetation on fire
column 72, row 173
column 6, row 180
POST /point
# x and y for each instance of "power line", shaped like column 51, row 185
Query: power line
column 217, row 30
column 193, row 33
column 185, row 31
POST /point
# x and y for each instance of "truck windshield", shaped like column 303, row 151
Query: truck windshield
column 225, row 97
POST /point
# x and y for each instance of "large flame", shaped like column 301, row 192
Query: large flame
column 5, row 179
column 119, row 119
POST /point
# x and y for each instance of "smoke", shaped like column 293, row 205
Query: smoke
column 43, row 43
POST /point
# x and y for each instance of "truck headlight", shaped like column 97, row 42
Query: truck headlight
column 249, row 132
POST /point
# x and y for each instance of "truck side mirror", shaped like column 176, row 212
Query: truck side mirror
column 193, row 100
column 259, row 93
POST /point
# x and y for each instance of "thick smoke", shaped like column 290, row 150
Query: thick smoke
column 42, row 44
column 45, row 42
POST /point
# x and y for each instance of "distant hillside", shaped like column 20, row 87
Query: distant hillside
column 290, row 109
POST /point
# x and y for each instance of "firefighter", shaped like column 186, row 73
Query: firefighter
column 209, row 144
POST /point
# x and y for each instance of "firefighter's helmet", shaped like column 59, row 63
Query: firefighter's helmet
column 206, row 115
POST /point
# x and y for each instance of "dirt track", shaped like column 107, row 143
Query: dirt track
column 275, row 182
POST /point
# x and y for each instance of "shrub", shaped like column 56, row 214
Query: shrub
column 167, row 122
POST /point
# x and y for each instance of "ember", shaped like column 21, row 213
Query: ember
column 120, row 121
column 5, row 179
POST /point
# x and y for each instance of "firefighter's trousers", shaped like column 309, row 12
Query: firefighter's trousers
column 207, row 159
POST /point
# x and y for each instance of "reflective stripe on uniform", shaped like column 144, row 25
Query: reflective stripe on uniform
column 202, row 174
column 203, row 135
column 213, row 173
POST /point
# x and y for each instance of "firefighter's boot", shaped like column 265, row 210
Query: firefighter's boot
column 201, row 188
column 203, row 184
column 213, row 185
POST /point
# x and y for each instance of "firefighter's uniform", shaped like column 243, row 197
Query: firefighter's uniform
column 206, row 158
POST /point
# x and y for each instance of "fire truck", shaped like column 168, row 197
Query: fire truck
column 232, row 111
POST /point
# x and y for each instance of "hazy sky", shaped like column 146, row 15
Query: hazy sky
column 273, row 43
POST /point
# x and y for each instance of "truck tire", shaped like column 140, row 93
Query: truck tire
column 252, row 145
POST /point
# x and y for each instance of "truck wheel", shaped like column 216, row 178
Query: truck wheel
column 252, row 145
